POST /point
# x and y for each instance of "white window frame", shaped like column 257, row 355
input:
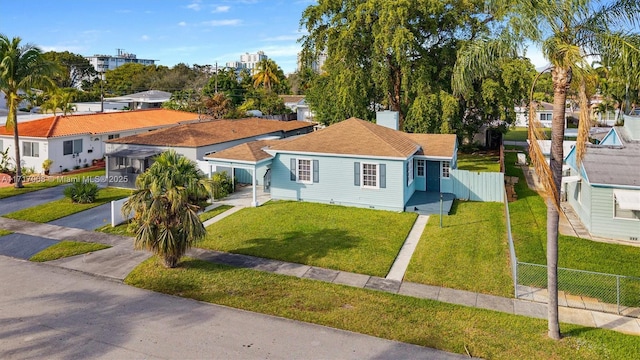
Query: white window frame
column 74, row 149
column 445, row 165
column 546, row 117
column 376, row 168
column 410, row 173
column 634, row 215
column 421, row 165
column 298, row 170
column 33, row 144
column 579, row 191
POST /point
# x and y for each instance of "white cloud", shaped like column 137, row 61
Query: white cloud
column 144, row 37
column 225, row 22
column 221, row 9
column 182, row 23
column 286, row 50
column 61, row 48
column 195, row 5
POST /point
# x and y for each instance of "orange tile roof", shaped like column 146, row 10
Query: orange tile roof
column 251, row 151
column 211, row 132
column 440, row 145
column 100, row 123
column 354, row 137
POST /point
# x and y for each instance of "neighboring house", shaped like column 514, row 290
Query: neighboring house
column 129, row 156
column 76, row 140
column 545, row 146
column 544, row 114
column 353, row 162
column 605, row 190
column 151, row 99
column 298, row 105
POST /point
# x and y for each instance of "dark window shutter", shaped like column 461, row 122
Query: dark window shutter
column 383, row 176
column 316, row 171
column 356, row 173
column 293, row 169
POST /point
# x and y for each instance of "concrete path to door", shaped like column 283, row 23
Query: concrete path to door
column 400, row 265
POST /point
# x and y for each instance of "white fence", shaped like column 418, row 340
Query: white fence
column 116, row 212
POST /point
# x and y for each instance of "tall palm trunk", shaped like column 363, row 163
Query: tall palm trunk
column 16, row 146
column 561, row 80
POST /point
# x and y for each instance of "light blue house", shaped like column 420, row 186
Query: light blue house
column 353, row 163
column 604, row 190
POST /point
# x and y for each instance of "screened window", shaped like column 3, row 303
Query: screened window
column 113, row 136
column 72, row 147
column 370, row 175
column 31, row 149
column 446, row 165
column 546, row 117
column 304, row 170
column 409, row 172
column 421, row 165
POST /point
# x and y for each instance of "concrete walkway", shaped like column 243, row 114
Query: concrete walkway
column 400, row 265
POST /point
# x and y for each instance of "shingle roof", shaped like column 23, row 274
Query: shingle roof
column 211, row 132
column 251, row 151
column 613, row 165
column 100, row 123
column 353, row 137
column 438, row 145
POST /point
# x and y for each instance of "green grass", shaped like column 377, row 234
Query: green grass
column 529, row 229
column 4, row 232
column 521, row 133
column 214, row 212
column 479, row 162
column 65, row 249
column 6, row 192
column 470, row 252
column 486, row 334
column 57, row 209
column 123, row 229
column 330, row 236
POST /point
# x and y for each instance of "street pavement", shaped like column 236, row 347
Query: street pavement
column 54, row 313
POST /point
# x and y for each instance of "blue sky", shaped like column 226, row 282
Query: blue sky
column 171, row 31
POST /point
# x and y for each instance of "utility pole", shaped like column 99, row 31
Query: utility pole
column 101, row 93
column 216, row 77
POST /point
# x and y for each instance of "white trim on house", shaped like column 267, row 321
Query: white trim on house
column 308, row 169
column 376, row 174
column 273, row 153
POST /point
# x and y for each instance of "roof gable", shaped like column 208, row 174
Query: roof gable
column 353, row 137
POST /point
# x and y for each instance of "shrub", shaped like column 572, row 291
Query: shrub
column 222, row 185
column 65, row 170
column 76, row 167
column 82, row 192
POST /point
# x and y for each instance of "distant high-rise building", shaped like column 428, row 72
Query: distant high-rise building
column 315, row 65
column 103, row 63
column 247, row 61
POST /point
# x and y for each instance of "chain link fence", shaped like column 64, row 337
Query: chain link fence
column 576, row 288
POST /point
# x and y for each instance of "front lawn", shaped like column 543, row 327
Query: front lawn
column 470, row 251
column 123, row 229
column 4, row 232
column 521, row 134
column 483, row 333
column 330, row 236
column 480, row 162
column 529, row 230
column 65, row 249
column 38, row 183
column 64, row 207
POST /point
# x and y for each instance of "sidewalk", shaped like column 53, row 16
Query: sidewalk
column 118, row 261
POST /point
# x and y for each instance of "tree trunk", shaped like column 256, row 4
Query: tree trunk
column 16, row 146
column 561, row 80
column 170, row 261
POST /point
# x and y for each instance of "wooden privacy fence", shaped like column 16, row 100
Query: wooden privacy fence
column 477, row 186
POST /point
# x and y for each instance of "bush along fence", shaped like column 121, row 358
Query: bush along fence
column 577, row 288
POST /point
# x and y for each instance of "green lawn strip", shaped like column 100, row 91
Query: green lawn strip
column 4, row 232
column 336, row 237
column 521, row 134
column 51, row 182
column 66, row 249
column 64, row 207
column 529, row 229
column 486, row 334
column 214, row 212
column 470, row 252
column 479, row 162
column 123, row 229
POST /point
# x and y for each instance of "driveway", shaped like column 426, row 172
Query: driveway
column 23, row 201
column 49, row 312
column 90, row 219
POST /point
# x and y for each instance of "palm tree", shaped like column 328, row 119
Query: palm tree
column 58, row 99
column 165, row 206
column 569, row 32
column 267, row 74
column 22, row 67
